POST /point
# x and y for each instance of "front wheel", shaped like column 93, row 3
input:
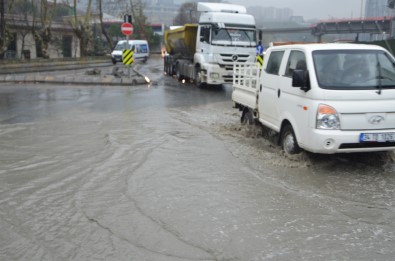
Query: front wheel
column 198, row 77
column 288, row 141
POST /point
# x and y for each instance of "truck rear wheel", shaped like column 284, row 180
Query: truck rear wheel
column 178, row 72
column 288, row 141
column 246, row 117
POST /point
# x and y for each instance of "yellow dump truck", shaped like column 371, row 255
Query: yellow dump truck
column 205, row 52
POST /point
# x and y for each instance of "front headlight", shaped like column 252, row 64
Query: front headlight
column 327, row 118
column 214, row 76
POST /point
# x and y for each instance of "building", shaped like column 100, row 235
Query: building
column 64, row 41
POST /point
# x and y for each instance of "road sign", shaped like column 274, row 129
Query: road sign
column 127, row 57
column 127, row 28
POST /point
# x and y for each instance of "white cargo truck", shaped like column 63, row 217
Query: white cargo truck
column 323, row 98
column 205, row 52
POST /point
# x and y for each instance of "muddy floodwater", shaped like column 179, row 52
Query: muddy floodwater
column 166, row 172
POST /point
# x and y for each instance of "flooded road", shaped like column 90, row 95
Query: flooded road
column 166, row 172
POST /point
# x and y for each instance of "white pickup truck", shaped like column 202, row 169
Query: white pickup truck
column 323, row 98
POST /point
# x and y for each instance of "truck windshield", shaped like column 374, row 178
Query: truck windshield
column 233, row 37
column 354, row 69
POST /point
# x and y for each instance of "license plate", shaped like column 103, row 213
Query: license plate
column 377, row 137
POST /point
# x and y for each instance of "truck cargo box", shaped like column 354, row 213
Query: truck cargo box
column 181, row 41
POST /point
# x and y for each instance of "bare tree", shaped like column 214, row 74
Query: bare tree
column 82, row 28
column 187, row 14
column 42, row 31
column 103, row 29
column 5, row 34
column 2, row 27
column 141, row 30
column 22, row 14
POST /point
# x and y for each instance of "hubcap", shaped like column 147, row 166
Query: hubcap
column 289, row 144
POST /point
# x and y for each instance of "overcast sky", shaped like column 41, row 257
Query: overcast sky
column 321, row 9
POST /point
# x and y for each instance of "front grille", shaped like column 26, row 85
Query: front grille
column 228, row 78
column 367, row 145
column 227, row 63
column 241, row 58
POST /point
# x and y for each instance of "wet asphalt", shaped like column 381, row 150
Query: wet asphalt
column 165, row 171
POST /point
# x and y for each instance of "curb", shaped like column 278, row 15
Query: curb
column 21, row 73
column 91, row 80
column 39, row 65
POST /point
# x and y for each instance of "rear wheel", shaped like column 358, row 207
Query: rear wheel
column 247, row 117
column 178, row 72
column 169, row 69
column 288, row 141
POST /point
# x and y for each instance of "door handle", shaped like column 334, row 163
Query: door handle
column 278, row 93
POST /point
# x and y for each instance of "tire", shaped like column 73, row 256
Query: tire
column 178, row 72
column 198, row 77
column 246, row 117
column 167, row 69
column 114, row 61
column 288, row 141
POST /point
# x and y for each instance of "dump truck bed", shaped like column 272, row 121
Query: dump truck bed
column 181, row 41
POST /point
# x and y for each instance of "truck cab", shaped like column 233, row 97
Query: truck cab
column 226, row 34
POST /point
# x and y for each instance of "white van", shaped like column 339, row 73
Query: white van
column 323, row 98
column 140, row 47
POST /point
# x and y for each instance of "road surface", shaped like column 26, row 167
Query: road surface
column 166, row 172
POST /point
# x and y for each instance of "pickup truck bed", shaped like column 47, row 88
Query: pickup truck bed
column 246, row 85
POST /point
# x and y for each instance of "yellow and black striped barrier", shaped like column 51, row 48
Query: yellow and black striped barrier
column 127, row 57
column 259, row 59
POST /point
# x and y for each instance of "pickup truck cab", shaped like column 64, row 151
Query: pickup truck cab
column 323, row 98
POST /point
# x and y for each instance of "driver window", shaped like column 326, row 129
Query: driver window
column 296, row 61
column 205, row 34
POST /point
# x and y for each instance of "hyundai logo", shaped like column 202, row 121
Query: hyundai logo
column 235, row 57
column 377, row 119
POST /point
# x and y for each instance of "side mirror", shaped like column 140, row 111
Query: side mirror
column 301, row 79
